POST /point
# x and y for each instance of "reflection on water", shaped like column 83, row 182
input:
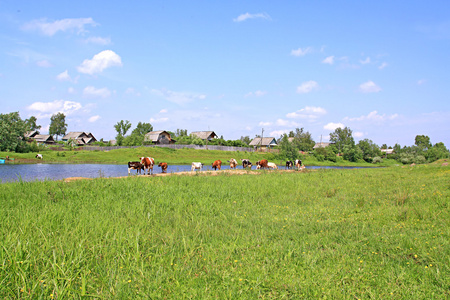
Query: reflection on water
column 12, row 172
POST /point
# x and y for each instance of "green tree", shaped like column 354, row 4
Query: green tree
column 287, row 149
column 142, row 129
column 436, row 152
column 12, row 131
column 423, row 142
column 302, row 140
column 342, row 137
column 369, row 149
column 58, row 125
column 122, row 128
column 31, row 124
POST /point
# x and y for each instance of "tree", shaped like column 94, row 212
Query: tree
column 423, row 142
column 12, row 131
column 288, row 150
column 303, row 140
column 342, row 137
column 369, row 149
column 181, row 132
column 31, row 124
column 245, row 140
column 142, row 129
column 58, row 125
column 121, row 128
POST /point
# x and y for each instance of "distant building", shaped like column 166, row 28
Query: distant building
column 159, row 137
column 39, row 138
column 265, row 142
column 387, row 151
column 322, row 145
column 81, row 138
column 205, row 135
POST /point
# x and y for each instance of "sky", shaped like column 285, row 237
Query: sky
column 237, row 68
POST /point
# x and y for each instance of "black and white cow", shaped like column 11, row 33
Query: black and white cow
column 135, row 165
column 246, row 163
column 289, row 164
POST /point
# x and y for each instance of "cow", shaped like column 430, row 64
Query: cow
column 196, row 165
column 39, row 156
column 246, row 163
column 148, row 163
column 289, row 164
column 272, row 165
column 262, row 164
column 163, row 166
column 298, row 164
column 233, row 163
column 217, row 164
column 135, row 165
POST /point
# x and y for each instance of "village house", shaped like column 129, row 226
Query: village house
column 80, row 138
column 205, row 135
column 322, row 145
column 159, row 137
column 39, row 138
column 265, row 142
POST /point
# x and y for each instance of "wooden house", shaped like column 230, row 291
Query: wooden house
column 159, row 137
column 39, row 138
column 80, row 138
column 265, row 142
column 205, row 135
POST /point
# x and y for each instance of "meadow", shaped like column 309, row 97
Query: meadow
column 378, row 233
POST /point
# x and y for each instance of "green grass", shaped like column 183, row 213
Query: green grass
column 339, row 234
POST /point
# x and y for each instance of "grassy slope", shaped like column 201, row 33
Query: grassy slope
column 346, row 234
column 171, row 156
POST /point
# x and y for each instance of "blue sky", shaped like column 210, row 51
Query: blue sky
column 380, row 68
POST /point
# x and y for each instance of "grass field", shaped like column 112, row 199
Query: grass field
column 336, row 234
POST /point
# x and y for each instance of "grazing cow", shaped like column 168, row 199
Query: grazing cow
column 289, row 164
column 148, row 163
column 272, row 165
column 298, row 164
column 262, row 164
column 39, row 156
column 246, row 163
column 135, row 165
column 233, row 163
column 217, row 164
column 163, row 166
column 196, row 165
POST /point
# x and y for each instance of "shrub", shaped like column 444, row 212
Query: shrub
column 376, row 160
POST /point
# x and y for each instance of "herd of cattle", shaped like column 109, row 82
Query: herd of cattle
column 146, row 164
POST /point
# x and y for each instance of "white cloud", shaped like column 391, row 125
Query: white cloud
column 91, row 91
column 94, row 119
column 366, row 61
column 374, row 117
column 358, row 134
column 44, row 64
column 383, row 65
column 163, row 111
column 132, row 91
column 46, row 109
column 247, row 16
column 51, row 28
column 265, row 123
column 333, row 126
column 98, row 40
column 369, row 87
column 178, row 97
column 307, row 87
column 281, row 122
column 256, row 94
column 301, row 52
column 309, row 112
column 158, row 120
column 64, row 76
column 277, row 133
column 329, row 60
column 99, row 62
column 421, row 81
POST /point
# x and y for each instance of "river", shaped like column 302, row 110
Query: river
column 32, row 172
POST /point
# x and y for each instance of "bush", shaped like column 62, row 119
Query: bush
column 376, row 160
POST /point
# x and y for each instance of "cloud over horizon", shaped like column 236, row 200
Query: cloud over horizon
column 100, row 62
column 51, row 28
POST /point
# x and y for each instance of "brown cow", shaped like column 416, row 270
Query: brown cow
column 233, row 163
column 163, row 166
column 217, row 164
column 148, row 163
column 135, row 165
column 262, row 164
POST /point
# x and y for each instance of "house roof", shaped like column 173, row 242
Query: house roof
column 266, row 141
column 154, row 135
column 204, row 134
column 32, row 133
column 321, row 145
column 388, row 151
column 73, row 135
column 42, row 138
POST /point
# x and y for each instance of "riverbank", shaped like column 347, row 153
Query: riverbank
column 168, row 155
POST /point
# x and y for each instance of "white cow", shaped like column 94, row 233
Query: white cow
column 233, row 163
column 196, row 165
column 39, row 156
column 272, row 165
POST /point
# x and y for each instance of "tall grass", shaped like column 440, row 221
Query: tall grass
column 347, row 234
